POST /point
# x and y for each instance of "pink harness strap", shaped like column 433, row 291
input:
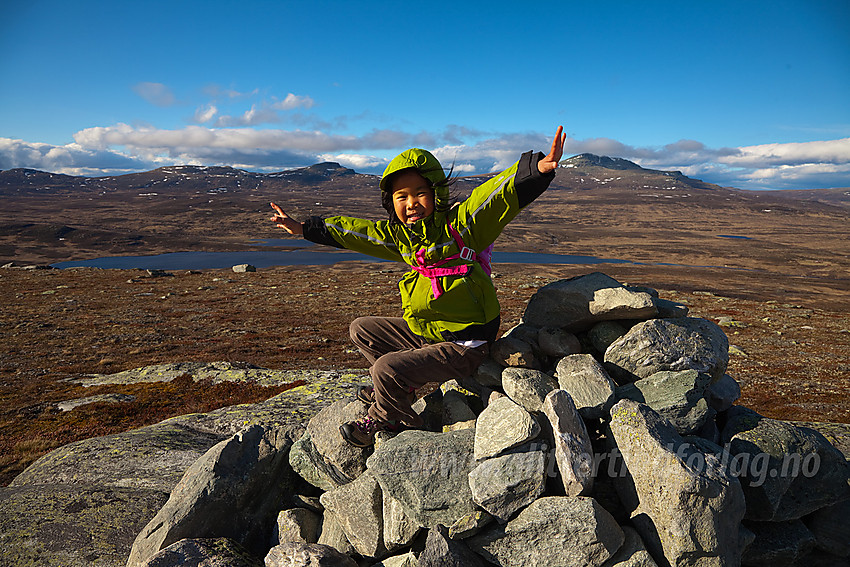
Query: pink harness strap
column 434, row 271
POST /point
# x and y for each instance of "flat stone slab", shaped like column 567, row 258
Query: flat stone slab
column 295, row 406
column 153, row 457
column 215, row 371
column 73, row 525
column 576, row 304
column 68, row 405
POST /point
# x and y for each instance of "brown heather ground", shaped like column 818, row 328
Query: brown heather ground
column 794, row 336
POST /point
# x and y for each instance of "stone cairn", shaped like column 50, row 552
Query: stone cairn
column 601, row 432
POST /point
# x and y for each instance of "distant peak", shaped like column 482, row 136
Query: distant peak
column 324, row 169
column 600, row 161
column 329, row 167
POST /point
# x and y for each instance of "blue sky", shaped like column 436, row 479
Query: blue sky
column 751, row 94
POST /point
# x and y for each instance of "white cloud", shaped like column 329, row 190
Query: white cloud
column 490, row 155
column 205, row 114
column 155, row 93
column 265, row 112
column 71, row 159
column 799, row 176
column 802, row 153
column 238, row 138
column 461, row 168
column 293, row 101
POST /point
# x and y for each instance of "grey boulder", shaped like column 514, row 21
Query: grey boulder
column 683, row 502
column 294, row 554
column 577, row 303
column 501, row 426
column 588, row 384
column 507, row 483
column 342, row 461
column 358, row 508
column 427, row 473
column 511, row 351
column 721, row 394
column 778, row 543
column 527, row 387
column 557, row 342
column 554, row 531
column 668, row 344
column 215, row 552
column 676, row 396
column 399, row 528
column 442, row 551
column 235, row 490
column 602, row 334
column 831, row 529
column 633, row 552
column 297, row 524
column 786, row 471
column 489, row 374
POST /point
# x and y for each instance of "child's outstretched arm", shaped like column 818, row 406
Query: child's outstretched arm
column 286, row 222
column 342, row 232
column 494, row 203
column 550, row 162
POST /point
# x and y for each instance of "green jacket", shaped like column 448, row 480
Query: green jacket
column 468, row 308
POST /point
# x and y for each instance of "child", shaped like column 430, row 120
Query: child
column 451, row 312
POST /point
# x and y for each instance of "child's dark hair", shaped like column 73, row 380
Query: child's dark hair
column 387, row 196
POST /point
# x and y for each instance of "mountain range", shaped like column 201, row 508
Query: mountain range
column 597, row 205
column 584, row 171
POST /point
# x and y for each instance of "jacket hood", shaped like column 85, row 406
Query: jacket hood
column 425, row 164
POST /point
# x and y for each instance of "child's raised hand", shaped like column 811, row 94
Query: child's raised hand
column 285, row 222
column 550, row 162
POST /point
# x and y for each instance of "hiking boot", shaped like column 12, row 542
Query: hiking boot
column 361, row 433
column 366, row 394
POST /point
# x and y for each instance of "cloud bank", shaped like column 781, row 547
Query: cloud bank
column 236, row 141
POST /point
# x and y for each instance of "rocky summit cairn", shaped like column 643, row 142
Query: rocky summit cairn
column 601, row 432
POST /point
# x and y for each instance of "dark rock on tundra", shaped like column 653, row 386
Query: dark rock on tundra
column 786, row 471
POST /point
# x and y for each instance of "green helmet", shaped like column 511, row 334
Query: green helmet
column 422, row 161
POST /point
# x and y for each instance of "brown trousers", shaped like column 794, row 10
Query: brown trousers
column 402, row 362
